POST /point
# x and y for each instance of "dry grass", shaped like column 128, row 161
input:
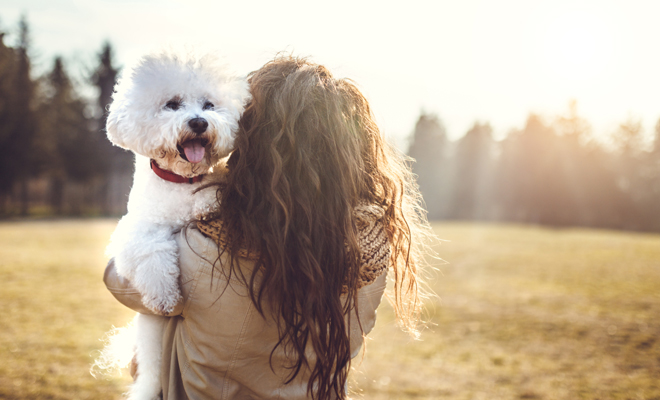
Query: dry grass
column 528, row 313
column 55, row 310
column 522, row 313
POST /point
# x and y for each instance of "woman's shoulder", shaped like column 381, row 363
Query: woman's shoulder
column 202, row 247
column 212, row 229
column 192, row 237
column 373, row 241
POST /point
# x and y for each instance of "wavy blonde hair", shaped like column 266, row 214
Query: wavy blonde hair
column 307, row 152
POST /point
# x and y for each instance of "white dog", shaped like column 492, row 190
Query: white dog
column 178, row 113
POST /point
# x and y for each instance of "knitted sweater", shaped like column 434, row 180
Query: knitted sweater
column 372, row 240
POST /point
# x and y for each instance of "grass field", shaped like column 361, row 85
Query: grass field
column 521, row 313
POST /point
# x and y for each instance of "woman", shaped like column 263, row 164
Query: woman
column 281, row 284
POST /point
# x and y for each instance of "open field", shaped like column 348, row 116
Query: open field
column 55, row 310
column 521, row 313
column 529, row 313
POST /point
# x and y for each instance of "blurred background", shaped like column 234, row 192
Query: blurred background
column 543, row 112
column 535, row 132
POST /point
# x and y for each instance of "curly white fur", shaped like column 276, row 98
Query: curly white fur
column 150, row 116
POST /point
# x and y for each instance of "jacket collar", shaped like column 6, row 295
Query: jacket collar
column 171, row 176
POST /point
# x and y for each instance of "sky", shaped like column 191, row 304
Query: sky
column 466, row 61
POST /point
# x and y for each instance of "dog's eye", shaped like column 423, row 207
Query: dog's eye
column 173, row 105
column 208, row 106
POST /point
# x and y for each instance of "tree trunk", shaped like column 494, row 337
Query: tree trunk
column 25, row 199
column 57, row 195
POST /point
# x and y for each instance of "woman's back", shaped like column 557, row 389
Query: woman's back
column 308, row 152
column 220, row 346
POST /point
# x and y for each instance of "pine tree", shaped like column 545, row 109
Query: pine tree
column 65, row 132
column 531, row 186
column 578, row 163
column 473, row 160
column 112, row 160
column 646, row 190
column 7, row 120
column 21, row 162
column 428, row 148
column 628, row 163
column 105, row 78
column 652, row 209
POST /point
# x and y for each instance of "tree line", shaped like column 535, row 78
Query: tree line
column 57, row 160
column 553, row 172
column 56, row 157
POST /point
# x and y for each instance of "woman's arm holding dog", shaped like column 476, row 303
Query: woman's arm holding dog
column 127, row 295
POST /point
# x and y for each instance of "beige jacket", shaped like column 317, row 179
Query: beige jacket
column 216, row 345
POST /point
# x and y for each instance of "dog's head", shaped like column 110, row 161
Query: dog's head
column 181, row 109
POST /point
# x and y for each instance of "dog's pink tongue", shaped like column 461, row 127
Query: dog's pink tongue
column 194, row 150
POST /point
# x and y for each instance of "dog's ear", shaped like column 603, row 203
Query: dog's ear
column 113, row 124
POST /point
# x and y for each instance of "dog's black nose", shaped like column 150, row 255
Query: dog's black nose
column 198, row 125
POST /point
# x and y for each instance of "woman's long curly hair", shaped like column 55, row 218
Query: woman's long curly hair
column 307, row 152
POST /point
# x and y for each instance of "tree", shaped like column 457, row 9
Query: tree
column 112, row 160
column 628, row 138
column 646, row 188
column 654, row 184
column 65, row 132
column 20, row 159
column 628, row 164
column 572, row 126
column 428, row 148
column 574, row 144
column 591, row 175
column 7, row 74
column 532, row 187
column 105, row 78
column 473, row 160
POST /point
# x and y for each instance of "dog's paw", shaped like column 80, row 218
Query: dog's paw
column 162, row 305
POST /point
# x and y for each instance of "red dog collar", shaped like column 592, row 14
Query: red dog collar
column 171, row 176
